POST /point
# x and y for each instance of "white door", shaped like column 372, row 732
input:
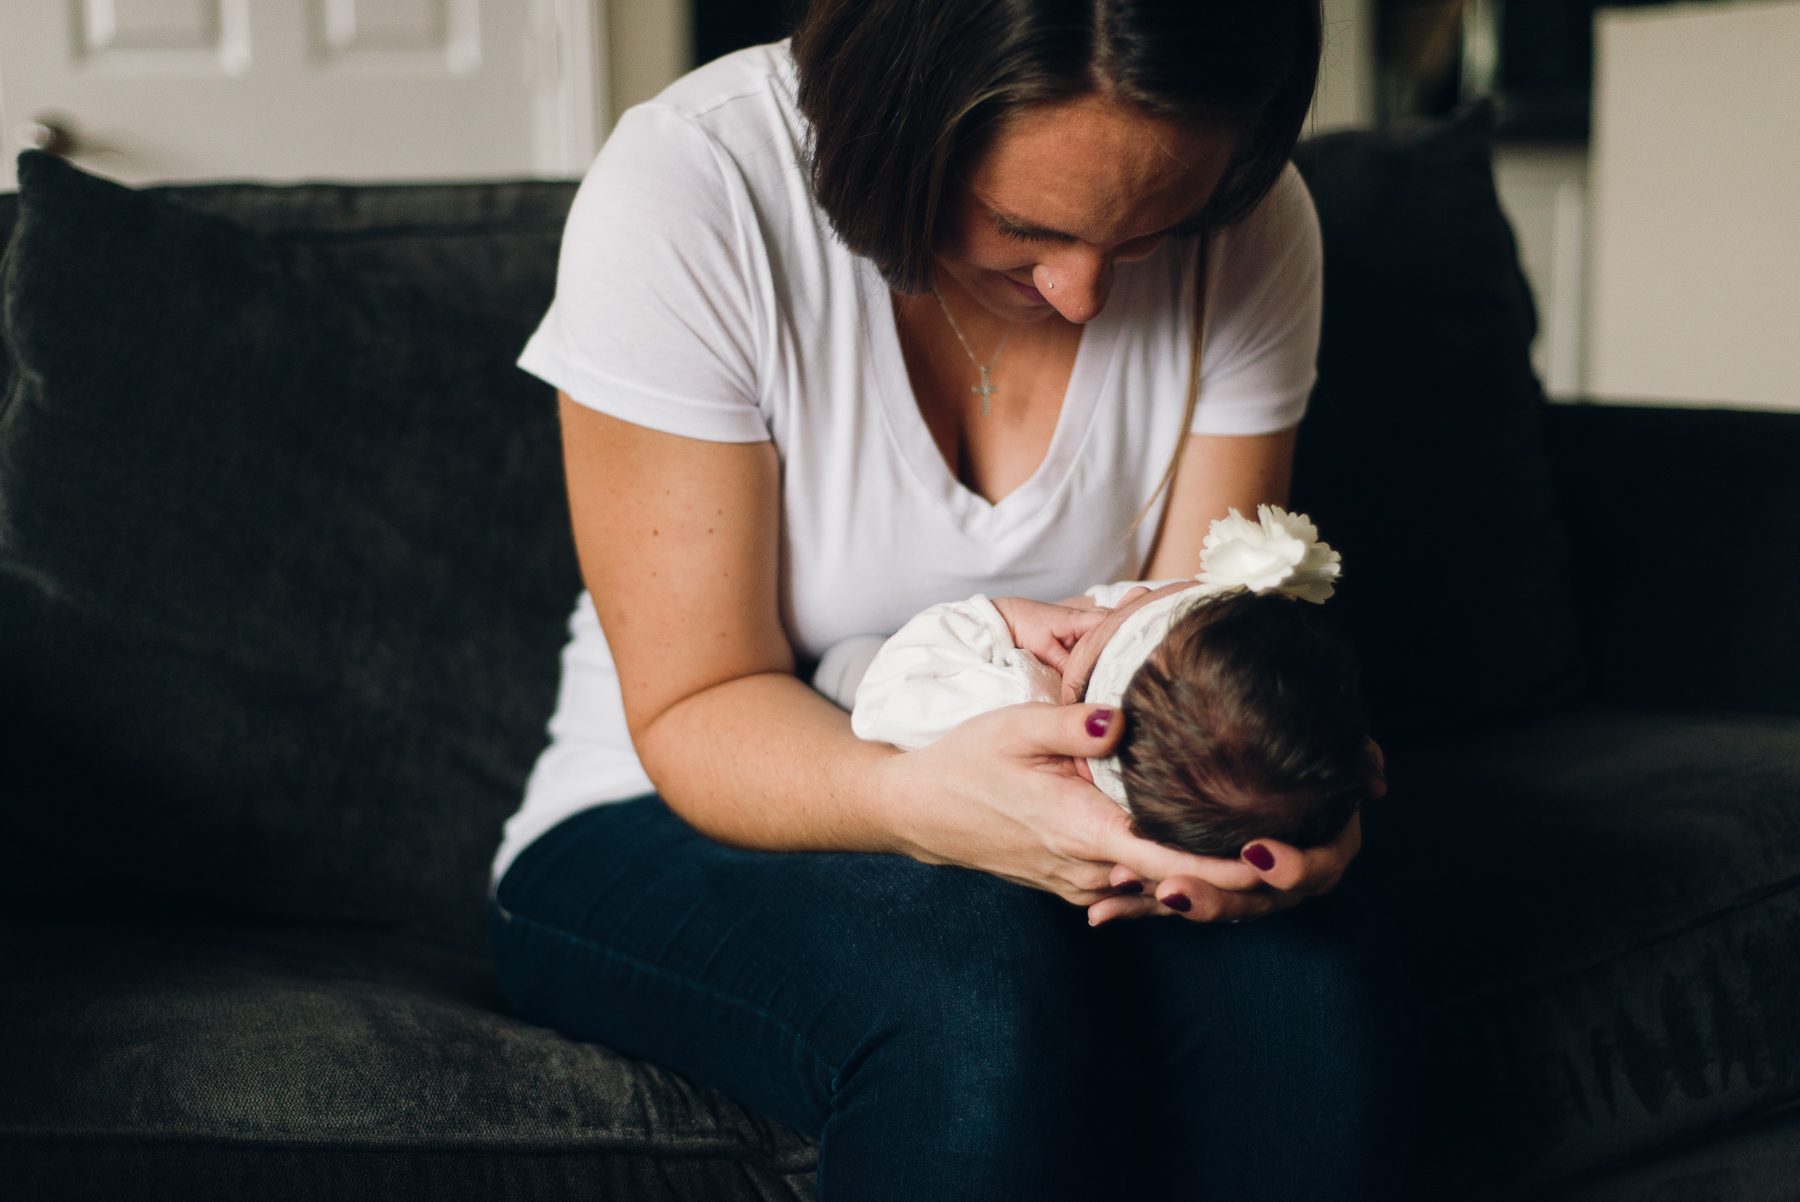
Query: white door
column 163, row 90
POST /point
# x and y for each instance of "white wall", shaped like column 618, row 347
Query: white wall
column 1695, row 273
column 1346, row 95
column 652, row 45
column 1543, row 191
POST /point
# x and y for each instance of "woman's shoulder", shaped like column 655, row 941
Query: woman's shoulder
column 1280, row 234
column 740, row 99
column 724, row 145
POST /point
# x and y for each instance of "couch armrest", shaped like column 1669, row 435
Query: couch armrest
column 1684, row 540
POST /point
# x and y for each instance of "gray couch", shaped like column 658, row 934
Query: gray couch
column 284, row 567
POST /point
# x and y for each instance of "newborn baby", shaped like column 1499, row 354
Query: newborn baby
column 1242, row 713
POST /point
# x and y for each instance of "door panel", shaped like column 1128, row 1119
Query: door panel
column 162, row 90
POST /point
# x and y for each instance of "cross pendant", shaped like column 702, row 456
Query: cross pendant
column 984, row 388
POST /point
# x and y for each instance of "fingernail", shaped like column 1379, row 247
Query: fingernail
column 1177, row 902
column 1258, row 856
column 1098, row 721
column 1129, row 887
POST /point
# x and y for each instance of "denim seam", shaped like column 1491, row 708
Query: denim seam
column 688, row 982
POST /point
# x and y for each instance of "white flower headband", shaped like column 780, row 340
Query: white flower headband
column 1280, row 552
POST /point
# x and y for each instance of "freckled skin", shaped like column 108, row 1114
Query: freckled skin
column 1025, row 251
column 1107, row 181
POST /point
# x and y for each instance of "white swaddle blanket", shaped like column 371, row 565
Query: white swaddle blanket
column 948, row 664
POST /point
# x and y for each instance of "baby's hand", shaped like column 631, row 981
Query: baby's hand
column 1047, row 631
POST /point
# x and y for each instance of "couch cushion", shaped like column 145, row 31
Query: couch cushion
column 301, row 1062
column 284, row 554
column 9, row 212
column 1755, row 1162
column 478, row 248
column 1421, row 455
column 1680, row 517
column 1605, row 912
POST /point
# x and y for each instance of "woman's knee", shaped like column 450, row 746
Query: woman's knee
column 1308, row 1016
column 986, row 1044
column 978, row 961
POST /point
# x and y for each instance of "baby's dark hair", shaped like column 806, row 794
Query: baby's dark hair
column 1247, row 722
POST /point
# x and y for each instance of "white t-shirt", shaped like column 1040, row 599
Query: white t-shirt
column 701, row 293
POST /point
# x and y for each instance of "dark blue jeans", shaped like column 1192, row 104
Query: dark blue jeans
column 948, row 1035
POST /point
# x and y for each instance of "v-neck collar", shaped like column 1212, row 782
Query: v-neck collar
column 1095, row 357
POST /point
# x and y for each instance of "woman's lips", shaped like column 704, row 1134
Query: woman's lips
column 1027, row 291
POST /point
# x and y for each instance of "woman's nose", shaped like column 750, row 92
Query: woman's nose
column 1076, row 284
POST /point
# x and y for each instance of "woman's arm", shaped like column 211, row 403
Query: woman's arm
column 1218, row 472
column 677, row 540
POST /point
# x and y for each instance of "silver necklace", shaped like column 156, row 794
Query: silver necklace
column 985, row 388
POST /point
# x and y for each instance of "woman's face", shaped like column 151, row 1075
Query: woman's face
column 1066, row 191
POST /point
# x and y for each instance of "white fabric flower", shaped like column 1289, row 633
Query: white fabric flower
column 1280, row 552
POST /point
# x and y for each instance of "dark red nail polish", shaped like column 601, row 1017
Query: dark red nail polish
column 1129, row 887
column 1098, row 721
column 1178, row 902
column 1259, row 857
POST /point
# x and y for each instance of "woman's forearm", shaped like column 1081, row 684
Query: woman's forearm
column 765, row 762
column 1218, row 472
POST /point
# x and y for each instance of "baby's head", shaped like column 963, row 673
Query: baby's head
column 1246, row 722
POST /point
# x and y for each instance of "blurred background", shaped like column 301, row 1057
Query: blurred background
column 1649, row 153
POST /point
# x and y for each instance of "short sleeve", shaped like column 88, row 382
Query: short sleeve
column 657, row 306
column 1264, row 301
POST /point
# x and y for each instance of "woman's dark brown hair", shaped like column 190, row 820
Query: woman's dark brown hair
column 1246, row 723
column 901, row 94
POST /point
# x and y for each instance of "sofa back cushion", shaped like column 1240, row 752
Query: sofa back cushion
column 9, row 213
column 1422, row 456
column 1686, row 592
column 284, row 553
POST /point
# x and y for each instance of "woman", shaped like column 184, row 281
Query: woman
column 905, row 313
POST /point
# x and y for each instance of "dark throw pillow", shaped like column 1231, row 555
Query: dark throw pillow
column 284, row 561
column 1421, row 457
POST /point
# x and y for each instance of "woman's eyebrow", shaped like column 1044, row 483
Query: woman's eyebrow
column 1020, row 227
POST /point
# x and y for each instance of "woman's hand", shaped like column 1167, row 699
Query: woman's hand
column 1271, row 876
column 1000, row 794
column 1048, row 631
column 1268, row 876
